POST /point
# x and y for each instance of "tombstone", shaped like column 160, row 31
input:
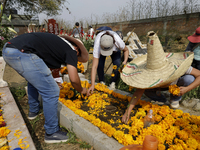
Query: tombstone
column 135, row 47
column 2, row 68
column 53, row 26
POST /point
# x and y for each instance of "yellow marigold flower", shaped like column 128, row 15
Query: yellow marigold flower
column 5, row 148
column 183, row 135
column 114, row 67
column 174, row 89
column 161, row 147
column 70, row 94
column 112, row 75
column 192, row 143
column 4, row 131
column 128, row 140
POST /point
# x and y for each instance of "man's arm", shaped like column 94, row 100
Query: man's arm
column 196, row 73
column 126, row 54
column 84, row 53
column 75, row 80
column 136, row 96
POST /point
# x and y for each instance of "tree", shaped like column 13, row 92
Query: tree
column 49, row 7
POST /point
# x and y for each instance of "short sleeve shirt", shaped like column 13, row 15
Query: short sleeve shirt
column 119, row 43
column 53, row 49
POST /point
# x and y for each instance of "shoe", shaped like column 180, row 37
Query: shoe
column 32, row 115
column 112, row 86
column 174, row 104
column 56, row 137
column 157, row 102
column 102, row 82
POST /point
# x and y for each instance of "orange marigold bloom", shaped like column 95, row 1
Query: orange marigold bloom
column 174, row 89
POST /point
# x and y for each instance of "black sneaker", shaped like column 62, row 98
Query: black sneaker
column 56, row 137
column 32, row 115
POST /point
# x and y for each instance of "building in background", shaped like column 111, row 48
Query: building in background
column 21, row 23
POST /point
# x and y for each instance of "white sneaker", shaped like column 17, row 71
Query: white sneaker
column 174, row 104
column 102, row 82
column 112, row 86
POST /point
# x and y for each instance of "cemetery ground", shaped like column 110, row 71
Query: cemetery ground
column 17, row 83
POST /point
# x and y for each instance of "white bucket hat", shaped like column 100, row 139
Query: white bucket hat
column 156, row 68
column 106, row 44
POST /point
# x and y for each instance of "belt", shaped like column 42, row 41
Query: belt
column 10, row 45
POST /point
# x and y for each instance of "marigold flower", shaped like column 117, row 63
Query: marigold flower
column 114, row 67
column 174, row 89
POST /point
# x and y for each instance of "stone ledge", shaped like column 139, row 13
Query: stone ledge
column 14, row 120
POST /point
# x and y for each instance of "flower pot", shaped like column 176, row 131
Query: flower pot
column 132, row 147
column 2, row 68
column 150, row 143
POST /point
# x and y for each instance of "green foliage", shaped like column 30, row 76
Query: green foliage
column 5, row 32
column 18, row 93
column 195, row 93
column 88, row 42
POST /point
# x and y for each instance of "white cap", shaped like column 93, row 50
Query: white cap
column 106, row 43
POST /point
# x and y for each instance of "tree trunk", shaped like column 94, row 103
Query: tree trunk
column 1, row 14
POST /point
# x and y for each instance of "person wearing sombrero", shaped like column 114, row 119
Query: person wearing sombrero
column 156, row 70
column 194, row 46
column 31, row 55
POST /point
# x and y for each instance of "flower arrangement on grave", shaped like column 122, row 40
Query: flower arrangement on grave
column 88, row 41
column 80, row 68
column 173, row 128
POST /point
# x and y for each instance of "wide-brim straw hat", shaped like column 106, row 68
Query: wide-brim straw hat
column 195, row 38
column 156, row 68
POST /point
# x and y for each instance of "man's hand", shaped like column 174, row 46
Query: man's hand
column 60, row 85
column 90, row 90
column 84, row 91
column 125, row 117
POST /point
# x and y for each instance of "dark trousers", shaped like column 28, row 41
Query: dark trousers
column 116, row 60
column 196, row 64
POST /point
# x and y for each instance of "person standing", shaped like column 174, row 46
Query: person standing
column 76, row 31
column 194, row 46
column 32, row 55
column 107, row 43
column 90, row 31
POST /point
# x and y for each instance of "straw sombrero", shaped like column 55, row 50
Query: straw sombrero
column 156, row 68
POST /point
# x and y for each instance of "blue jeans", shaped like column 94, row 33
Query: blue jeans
column 116, row 60
column 40, row 81
column 155, row 95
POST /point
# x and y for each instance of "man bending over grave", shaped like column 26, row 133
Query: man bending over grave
column 31, row 55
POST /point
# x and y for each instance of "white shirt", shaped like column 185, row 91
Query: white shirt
column 90, row 31
column 119, row 43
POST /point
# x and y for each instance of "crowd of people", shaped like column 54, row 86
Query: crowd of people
column 34, row 55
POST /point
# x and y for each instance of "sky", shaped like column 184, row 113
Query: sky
column 83, row 9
